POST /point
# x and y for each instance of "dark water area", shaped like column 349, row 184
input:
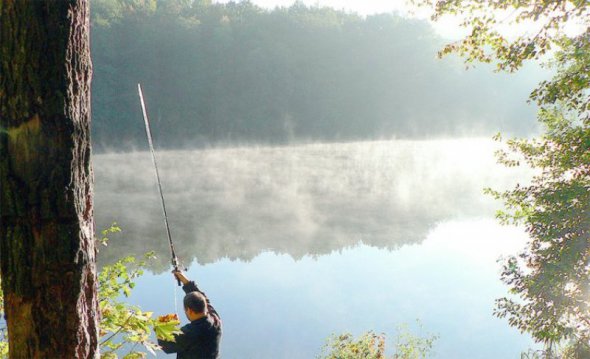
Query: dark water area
column 295, row 243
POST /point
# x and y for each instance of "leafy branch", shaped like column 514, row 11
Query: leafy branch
column 124, row 325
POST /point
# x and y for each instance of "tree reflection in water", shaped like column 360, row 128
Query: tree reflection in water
column 301, row 200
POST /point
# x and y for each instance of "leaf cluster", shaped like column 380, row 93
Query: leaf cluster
column 566, row 350
column 371, row 345
column 485, row 42
column 552, row 276
column 125, row 327
column 550, row 42
column 411, row 346
column 345, row 346
column 121, row 324
column 3, row 333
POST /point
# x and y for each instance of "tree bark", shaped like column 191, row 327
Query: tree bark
column 47, row 249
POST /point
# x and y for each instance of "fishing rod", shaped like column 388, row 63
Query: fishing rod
column 175, row 261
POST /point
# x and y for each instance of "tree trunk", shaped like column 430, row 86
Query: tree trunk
column 47, row 250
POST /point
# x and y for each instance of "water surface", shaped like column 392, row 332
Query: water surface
column 295, row 243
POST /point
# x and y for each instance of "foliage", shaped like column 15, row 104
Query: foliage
column 566, row 350
column 3, row 338
column 370, row 345
column 411, row 346
column 3, row 345
column 551, row 276
column 345, row 346
column 550, row 19
column 123, row 326
column 166, row 327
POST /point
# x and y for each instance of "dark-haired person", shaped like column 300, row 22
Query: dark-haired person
column 201, row 337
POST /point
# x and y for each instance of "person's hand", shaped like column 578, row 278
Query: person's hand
column 180, row 276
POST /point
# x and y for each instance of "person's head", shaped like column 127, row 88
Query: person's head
column 195, row 305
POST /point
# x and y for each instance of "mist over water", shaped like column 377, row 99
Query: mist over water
column 304, row 200
column 300, row 242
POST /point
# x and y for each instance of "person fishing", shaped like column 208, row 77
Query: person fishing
column 202, row 336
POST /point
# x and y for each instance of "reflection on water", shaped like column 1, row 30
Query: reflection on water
column 322, row 235
column 277, row 307
column 306, row 200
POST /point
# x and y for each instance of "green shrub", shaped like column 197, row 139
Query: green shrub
column 371, row 345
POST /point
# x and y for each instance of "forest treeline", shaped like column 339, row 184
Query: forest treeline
column 238, row 73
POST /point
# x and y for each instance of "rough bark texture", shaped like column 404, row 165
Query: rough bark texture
column 47, row 252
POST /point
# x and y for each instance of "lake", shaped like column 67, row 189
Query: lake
column 295, row 243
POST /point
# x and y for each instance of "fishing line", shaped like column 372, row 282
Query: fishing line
column 175, row 300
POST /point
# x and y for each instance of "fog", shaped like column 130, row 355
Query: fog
column 298, row 200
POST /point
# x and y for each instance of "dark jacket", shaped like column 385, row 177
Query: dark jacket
column 200, row 338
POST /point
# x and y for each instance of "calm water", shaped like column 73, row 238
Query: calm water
column 293, row 244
